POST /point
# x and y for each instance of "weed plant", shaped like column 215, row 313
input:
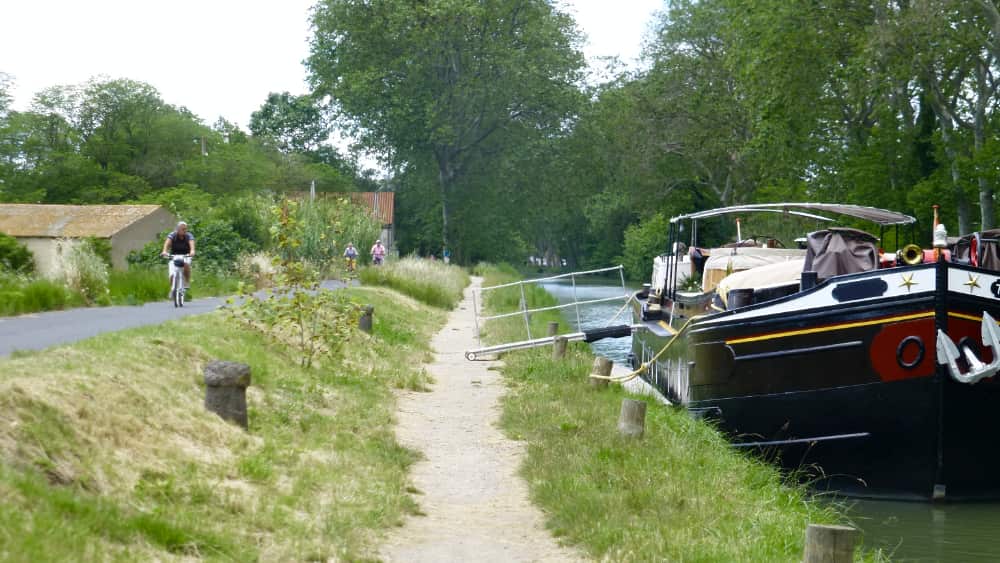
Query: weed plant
column 86, row 272
column 429, row 281
column 107, row 454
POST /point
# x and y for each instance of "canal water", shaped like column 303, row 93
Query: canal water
column 904, row 531
column 596, row 315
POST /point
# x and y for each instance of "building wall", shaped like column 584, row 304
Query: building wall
column 140, row 233
column 48, row 253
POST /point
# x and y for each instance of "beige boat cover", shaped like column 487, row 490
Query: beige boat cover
column 723, row 262
column 782, row 273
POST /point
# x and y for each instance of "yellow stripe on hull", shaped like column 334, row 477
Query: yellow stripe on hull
column 819, row 329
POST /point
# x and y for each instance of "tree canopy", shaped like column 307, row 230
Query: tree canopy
column 498, row 146
column 450, row 84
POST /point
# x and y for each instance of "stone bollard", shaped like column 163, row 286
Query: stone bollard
column 632, row 420
column 602, row 367
column 559, row 347
column 553, row 328
column 226, row 390
column 365, row 320
column 830, row 544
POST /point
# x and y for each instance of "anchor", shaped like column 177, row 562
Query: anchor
column 948, row 354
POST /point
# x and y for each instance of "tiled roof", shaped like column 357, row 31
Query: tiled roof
column 71, row 221
column 379, row 203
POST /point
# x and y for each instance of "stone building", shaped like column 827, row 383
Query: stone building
column 48, row 230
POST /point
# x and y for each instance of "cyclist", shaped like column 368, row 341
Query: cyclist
column 378, row 253
column 351, row 257
column 181, row 242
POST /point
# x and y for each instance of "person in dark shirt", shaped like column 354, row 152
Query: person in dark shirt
column 181, row 242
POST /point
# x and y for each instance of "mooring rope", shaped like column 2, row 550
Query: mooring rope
column 644, row 367
column 620, row 311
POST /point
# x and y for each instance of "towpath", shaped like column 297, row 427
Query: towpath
column 476, row 505
column 42, row 330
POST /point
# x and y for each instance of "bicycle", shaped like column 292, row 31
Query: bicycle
column 175, row 268
column 351, row 263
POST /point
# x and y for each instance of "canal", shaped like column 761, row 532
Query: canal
column 904, row 531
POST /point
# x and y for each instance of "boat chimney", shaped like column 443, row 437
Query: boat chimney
column 808, row 280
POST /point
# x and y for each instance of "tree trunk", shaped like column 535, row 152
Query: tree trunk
column 986, row 211
column 984, row 93
column 961, row 202
column 446, row 175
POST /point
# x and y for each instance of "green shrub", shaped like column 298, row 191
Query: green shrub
column 102, row 248
column 14, row 256
column 643, row 242
column 250, row 217
column 430, row 281
column 217, row 246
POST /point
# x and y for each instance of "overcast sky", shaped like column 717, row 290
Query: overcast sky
column 216, row 57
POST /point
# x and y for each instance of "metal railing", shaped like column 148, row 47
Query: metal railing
column 478, row 298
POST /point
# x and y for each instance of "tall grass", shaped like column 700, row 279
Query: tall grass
column 432, row 282
column 139, row 285
column 24, row 294
column 107, row 454
column 679, row 494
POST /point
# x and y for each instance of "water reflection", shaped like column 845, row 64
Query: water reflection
column 903, row 531
column 910, row 531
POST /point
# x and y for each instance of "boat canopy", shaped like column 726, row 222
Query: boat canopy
column 873, row 214
column 838, row 251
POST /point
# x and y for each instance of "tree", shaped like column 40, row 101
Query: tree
column 292, row 123
column 435, row 81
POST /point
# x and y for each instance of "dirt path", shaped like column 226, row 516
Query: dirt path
column 476, row 506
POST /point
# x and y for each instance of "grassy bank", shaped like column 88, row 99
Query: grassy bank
column 106, row 452
column 681, row 493
column 430, row 281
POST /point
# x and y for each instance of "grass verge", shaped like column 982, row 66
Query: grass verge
column 106, row 452
column 24, row 294
column 136, row 286
column 430, row 281
column 679, row 494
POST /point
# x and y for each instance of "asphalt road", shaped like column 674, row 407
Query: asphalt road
column 42, row 330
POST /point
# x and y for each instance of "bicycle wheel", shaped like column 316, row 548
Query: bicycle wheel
column 176, row 290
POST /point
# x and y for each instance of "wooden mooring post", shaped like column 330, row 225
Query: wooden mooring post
column 602, row 368
column 830, row 544
column 559, row 347
column 553, row 328
column 365, row 320
column 632, row 420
